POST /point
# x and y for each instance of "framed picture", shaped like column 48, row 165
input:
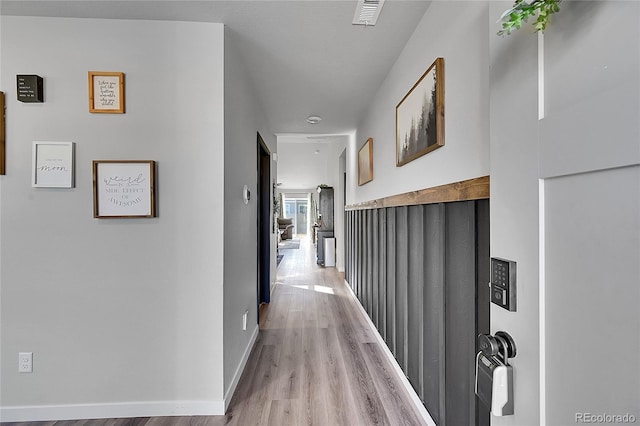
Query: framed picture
column 52, row 165
column 365, row 162
column 3, row 158
column 106, row 92
column 124, row 189
column 420, row 116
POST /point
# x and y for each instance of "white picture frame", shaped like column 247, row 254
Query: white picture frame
column 124, row 189
column 53, row 165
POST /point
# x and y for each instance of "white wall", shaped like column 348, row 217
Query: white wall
column 338, row 169
column 565, row 202
column 466, row 151
column 114, row 309
column 243, row 120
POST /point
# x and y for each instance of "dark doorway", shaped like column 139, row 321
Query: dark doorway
column 264, row 223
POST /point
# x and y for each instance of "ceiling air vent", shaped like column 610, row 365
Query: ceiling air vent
column 367, row 12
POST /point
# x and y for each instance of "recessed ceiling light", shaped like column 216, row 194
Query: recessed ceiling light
column 314, row 119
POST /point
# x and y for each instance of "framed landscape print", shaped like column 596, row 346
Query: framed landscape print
column 420, row 116
column 124, row 188
column 365, row 162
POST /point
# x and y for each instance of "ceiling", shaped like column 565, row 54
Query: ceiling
column 304, row 57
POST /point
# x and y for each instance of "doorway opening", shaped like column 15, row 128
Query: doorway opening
column 264, row 224
column 296, row 208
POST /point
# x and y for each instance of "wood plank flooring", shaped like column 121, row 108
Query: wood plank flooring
column 315, row 362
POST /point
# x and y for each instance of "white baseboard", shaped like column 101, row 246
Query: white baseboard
column 111, row 410
column 243, row 363
column 129, row 409
column 412, row 392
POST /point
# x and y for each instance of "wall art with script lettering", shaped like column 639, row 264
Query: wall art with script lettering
column 106, row 92
column 53, row 165
column 123, row 189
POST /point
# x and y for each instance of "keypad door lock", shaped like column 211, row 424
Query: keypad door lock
column 503, row 283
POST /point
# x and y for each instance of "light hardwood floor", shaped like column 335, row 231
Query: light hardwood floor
column 316, row 361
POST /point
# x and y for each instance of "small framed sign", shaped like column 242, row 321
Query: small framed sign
column 123, row 189
column 30, row 88
column 53, row 165
column 106, row 92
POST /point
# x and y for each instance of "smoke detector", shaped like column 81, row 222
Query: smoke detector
column 314, row 119
column 367, row 12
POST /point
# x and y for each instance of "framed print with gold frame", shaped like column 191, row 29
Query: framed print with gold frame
column 365, row 162
column 106, row 92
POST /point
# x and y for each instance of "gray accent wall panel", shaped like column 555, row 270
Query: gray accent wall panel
column 434, row 303
column 375, row 294
column 358, row 265
column 460, row 336
column 369, row 261
column 415, row 307
column 382, row 272
column 348, row 216
column 421, row 273
column 391, row 280
column 483, row 295
column 402, row 281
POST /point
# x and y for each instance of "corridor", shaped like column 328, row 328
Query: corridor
column 316, row 360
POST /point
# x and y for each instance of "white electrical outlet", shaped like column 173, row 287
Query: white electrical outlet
column 244, row 320
column 25, row 362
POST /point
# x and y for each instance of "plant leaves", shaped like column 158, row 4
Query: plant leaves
column 522, row 10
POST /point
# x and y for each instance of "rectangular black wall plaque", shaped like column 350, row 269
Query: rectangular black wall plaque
column 30, row 88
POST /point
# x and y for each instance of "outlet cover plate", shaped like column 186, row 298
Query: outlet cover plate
column 25, row 362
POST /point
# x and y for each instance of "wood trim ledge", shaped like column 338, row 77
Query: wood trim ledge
column 470, row 189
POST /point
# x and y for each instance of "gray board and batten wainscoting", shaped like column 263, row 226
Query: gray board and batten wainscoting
column 419, row 264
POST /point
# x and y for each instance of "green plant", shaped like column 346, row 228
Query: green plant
column 522, row 10
column 276, row 205
column 276, row 200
